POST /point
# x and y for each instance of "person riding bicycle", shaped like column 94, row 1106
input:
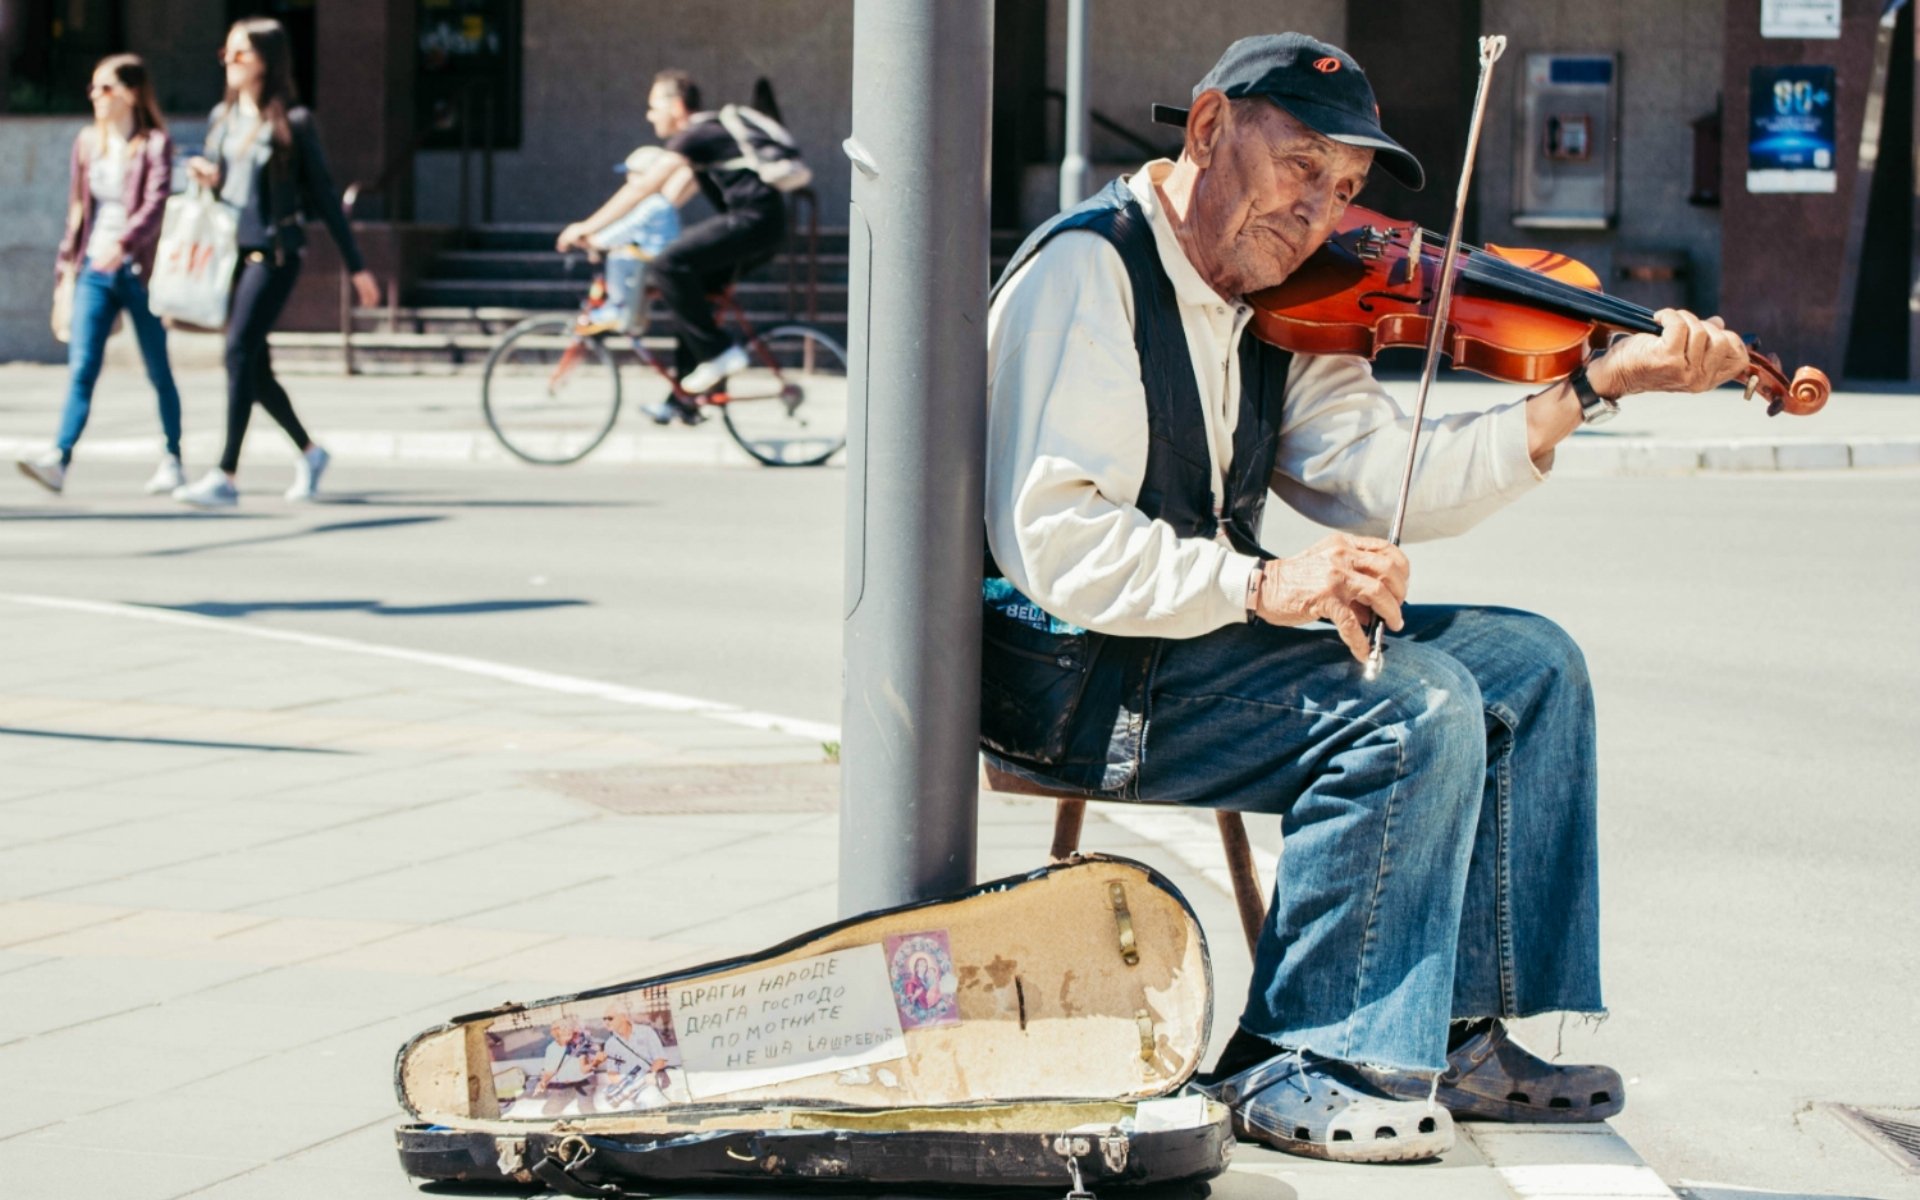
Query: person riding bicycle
column 749, row 225
column 643, row 225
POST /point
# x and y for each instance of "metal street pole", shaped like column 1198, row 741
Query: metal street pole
column 1075, row 169
column 918, row 260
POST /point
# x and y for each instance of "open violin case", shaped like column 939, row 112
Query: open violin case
column 1035, row 1032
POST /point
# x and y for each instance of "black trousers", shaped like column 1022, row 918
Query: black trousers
column 703, row 260
column 260, row 291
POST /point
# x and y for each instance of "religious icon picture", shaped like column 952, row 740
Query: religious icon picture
column 925, row 989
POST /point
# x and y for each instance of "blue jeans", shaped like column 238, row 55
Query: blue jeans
column 1440, row 857
column 97, row 299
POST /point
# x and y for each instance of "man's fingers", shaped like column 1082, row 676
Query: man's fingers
column 1373, row 594
column 1348, row 626
column 1389, row 566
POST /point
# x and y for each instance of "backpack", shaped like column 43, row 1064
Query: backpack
column 766, row 148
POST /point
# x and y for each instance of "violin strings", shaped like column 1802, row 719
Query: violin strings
column 1536, row 285
column 1485, row 267
column 1576, row 301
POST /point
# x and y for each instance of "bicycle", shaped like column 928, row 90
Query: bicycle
column 551, row 388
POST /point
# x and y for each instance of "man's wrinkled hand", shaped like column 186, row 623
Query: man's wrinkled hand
column 1343, row 579
column 1690, row 354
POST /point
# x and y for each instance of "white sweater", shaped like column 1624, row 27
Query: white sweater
column 1067, row 444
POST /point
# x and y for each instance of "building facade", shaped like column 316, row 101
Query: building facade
column 531, row 102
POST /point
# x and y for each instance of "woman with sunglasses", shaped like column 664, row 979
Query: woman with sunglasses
column 263, row 157
column 122, row 170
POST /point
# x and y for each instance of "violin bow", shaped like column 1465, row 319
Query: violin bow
column 1491, row 48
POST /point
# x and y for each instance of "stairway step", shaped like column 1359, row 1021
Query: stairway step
column 757, row 298
column 546, row 264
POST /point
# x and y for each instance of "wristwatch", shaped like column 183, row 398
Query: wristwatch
column 1594, row 408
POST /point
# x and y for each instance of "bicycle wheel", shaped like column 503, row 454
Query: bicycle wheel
column 549, row 394
column 795, row 415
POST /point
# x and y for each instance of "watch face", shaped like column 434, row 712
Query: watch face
column 1599, row 412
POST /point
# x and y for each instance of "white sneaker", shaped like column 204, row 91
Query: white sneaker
column 708, row 375
column 167, row 477
column 214, row 490
column 306, row 473
column 46, row 470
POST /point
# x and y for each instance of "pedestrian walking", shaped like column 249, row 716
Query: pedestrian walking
column 121, row 173
column 263, row 157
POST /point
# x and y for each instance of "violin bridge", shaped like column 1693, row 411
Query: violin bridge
column 1408, row 274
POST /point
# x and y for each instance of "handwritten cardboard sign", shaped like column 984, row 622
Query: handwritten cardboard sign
column 827, row 1013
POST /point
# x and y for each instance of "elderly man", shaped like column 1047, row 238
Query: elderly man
column 1440, row 868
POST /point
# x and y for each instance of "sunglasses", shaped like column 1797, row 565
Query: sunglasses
column 95, row 89
column 229, row 57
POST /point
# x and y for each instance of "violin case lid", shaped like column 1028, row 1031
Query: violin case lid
column 1032, row 1031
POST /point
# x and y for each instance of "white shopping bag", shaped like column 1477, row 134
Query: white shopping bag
column 193, row 271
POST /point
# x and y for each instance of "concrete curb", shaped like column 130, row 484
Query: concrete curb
column 1581, row 456
column 419, row 448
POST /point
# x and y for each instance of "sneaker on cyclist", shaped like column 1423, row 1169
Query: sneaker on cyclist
column 710, row 374
column 674, row 409
column 601, row 318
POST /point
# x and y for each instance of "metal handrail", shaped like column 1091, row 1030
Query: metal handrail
column 1137, row 140
column 796, row 200
column 358, row 188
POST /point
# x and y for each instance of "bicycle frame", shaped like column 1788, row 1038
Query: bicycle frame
column 730, row 313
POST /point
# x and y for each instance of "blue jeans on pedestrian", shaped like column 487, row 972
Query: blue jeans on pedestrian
column 1440, row 859
column 97, row 299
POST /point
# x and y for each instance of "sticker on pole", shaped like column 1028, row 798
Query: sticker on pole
column 831, row 1012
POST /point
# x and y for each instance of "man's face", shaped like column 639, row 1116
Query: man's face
column 1269, row 191
column 666, row 110
column 620, row 1022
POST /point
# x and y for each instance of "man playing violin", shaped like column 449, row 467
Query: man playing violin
column 1441, row 866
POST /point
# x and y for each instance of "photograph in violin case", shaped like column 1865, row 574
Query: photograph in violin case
column 1037, row 1031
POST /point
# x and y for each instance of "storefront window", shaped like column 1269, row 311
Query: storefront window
column 467, row 75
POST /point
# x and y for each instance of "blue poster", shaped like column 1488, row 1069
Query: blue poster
column 1790, row 140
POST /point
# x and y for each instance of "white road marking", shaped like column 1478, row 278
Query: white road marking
column 572, row 685
column 1186, row 834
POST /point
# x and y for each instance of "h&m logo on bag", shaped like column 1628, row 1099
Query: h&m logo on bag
column 193, row 259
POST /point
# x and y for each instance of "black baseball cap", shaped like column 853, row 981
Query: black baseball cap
column 1319, row 85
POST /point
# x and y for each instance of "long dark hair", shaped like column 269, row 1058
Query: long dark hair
column 267, row 38
column 130, row 72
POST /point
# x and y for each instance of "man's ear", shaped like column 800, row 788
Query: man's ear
column 1207, row 123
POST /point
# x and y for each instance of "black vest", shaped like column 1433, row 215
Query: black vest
column 1068, row 704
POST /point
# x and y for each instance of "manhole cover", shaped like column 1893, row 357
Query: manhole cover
column 1896, row 1135
column 758, row 788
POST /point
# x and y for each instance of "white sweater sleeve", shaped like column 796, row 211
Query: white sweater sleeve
column 1067, row 452
column 1343, row 445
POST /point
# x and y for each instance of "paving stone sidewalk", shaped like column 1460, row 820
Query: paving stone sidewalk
column 371, row 420
column 237, row 870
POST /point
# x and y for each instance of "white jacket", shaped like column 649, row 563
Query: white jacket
column 1067, row 444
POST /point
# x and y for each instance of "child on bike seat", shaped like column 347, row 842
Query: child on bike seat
column 631, row 242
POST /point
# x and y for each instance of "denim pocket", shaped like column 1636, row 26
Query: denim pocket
column 1031, row 681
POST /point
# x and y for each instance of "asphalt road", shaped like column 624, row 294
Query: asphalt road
column 1750, row 638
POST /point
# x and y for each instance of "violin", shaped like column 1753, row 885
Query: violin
column 1520, row 316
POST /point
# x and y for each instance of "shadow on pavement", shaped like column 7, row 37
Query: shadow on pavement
column 294, row 534
column 245, row 608
column 172, row 514
column 181, row 743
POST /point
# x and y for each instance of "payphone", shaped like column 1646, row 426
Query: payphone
column 1569, row 112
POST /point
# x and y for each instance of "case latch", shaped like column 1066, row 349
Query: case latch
column 1129, row 951
column 1072, row 1149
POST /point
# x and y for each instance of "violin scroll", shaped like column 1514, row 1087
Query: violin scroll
column 1802, row 396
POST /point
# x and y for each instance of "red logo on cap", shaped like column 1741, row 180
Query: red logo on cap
column 1327, row 65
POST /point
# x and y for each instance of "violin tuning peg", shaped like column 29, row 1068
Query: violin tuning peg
column 1753, row 385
